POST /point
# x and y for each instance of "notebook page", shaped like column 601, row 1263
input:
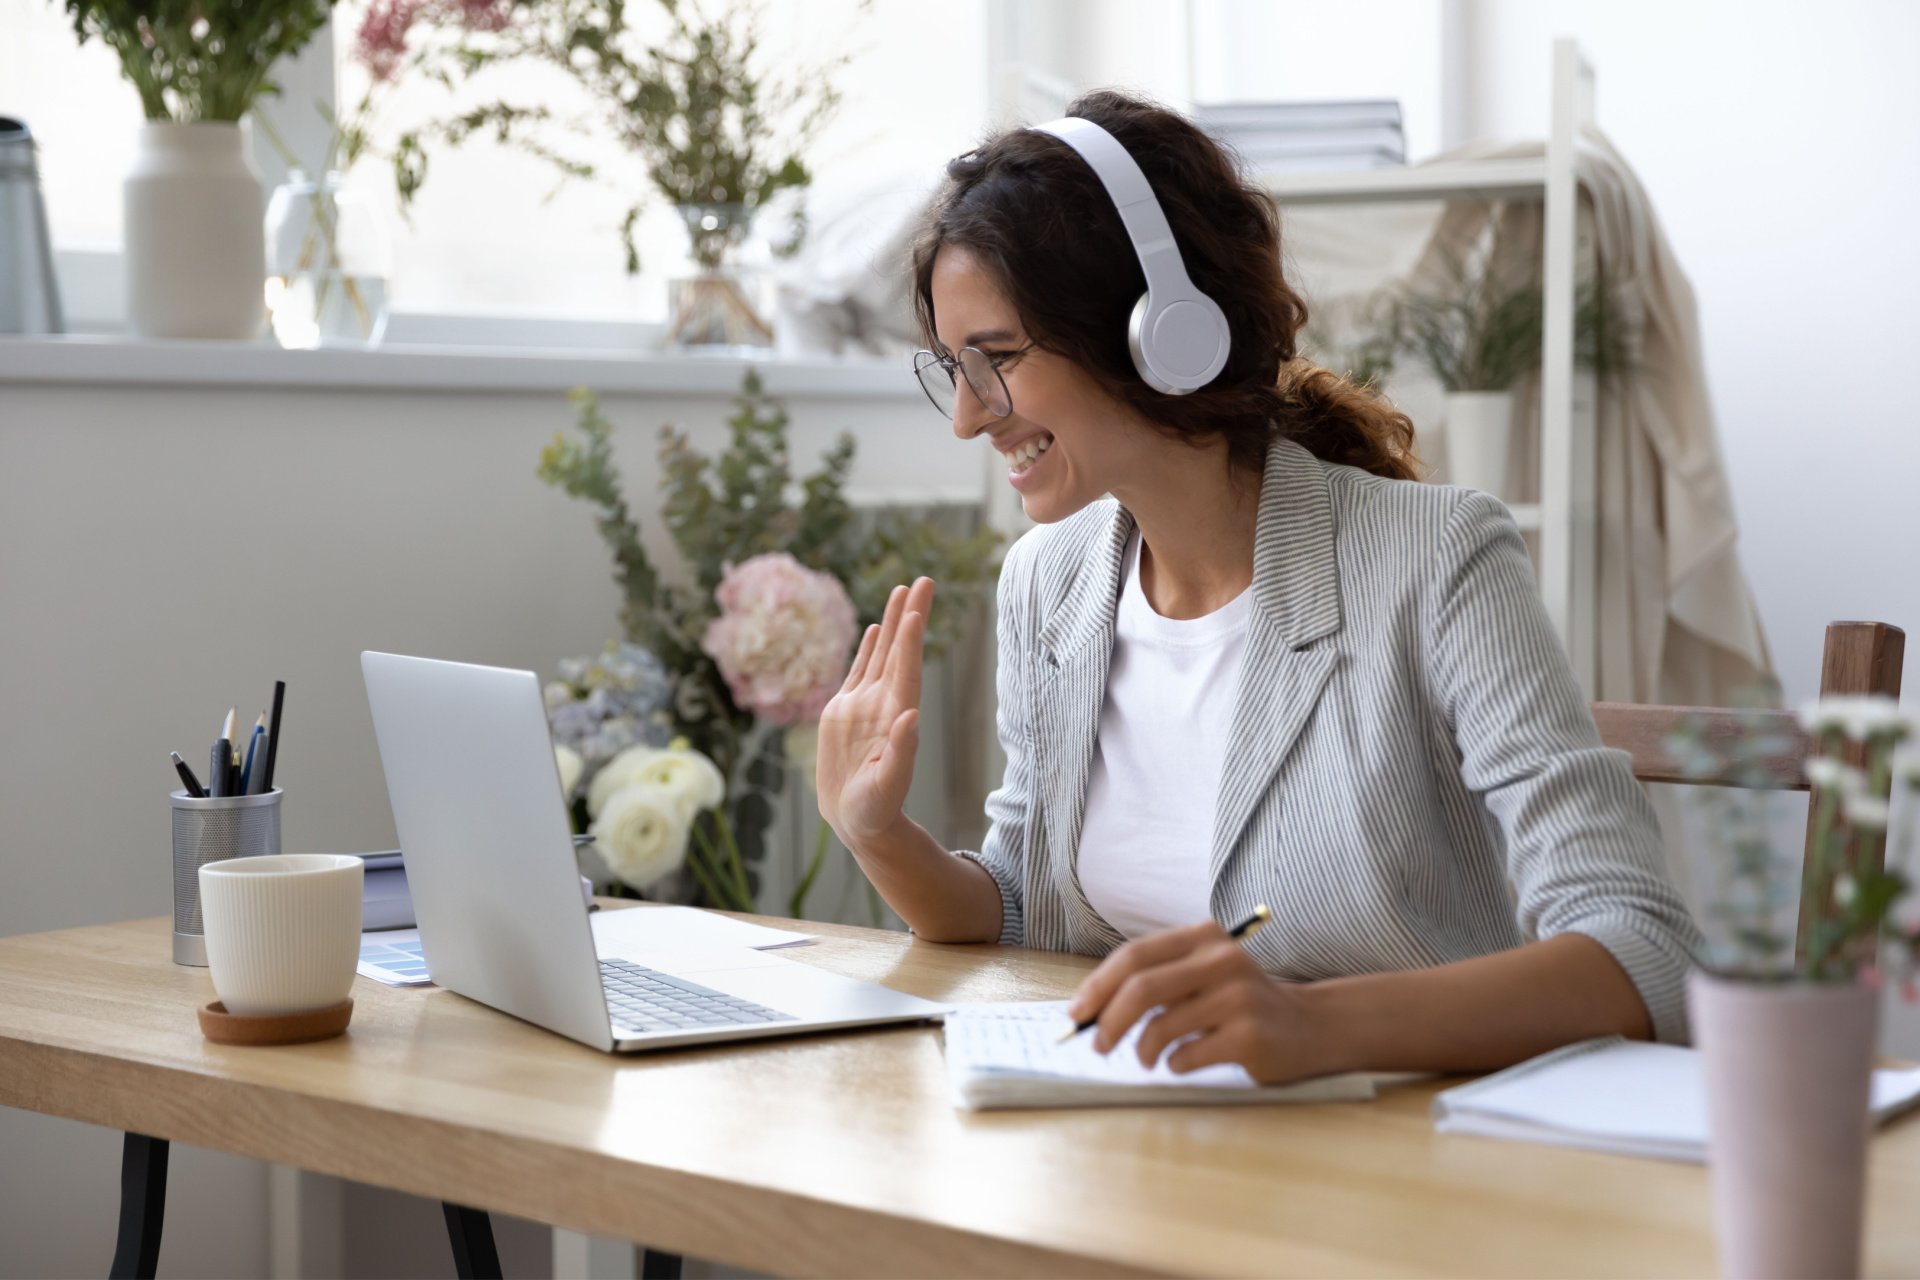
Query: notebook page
column 1615, row 1095
column 1022, row 1038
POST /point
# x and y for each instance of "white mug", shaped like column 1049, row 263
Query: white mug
column 282, row 930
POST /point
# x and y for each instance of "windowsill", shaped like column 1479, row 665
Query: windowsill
column 71, row 360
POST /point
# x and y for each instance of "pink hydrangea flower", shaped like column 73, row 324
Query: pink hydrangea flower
column 783, row 637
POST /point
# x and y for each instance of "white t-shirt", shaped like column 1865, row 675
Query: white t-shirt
column 1147, row 836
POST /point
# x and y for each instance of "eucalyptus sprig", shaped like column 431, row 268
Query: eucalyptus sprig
column 709, row 119
column 199, row 60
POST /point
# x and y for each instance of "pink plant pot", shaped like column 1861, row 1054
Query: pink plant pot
column 1789, row 1071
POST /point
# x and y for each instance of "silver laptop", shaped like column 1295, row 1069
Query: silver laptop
column 490, row 863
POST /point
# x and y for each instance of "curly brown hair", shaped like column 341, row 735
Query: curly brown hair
column 1036, row 216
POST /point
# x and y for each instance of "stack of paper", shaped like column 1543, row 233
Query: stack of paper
column 1010, row 1055
column 1614, row 1095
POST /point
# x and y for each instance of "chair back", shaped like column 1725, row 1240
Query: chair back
column 1859, row 658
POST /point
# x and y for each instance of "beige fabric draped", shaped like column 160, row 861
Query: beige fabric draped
column 1675, row 621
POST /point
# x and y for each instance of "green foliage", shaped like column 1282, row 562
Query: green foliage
column 1474, row 332
column 709, row 123
column 735, row 505
column 199, row 60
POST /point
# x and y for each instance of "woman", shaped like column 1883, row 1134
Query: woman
column 1270, row 667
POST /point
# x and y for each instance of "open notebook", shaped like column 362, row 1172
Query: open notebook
column 1614, row 1095
column 1008, row 1055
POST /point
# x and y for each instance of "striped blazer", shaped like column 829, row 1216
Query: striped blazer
column 1412, row 773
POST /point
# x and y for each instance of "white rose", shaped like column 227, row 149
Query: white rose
column 687, row 775
column 642, row 834
column 617, row 774
column 570, row 765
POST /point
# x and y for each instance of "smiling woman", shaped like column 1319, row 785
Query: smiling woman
column 1245, row 659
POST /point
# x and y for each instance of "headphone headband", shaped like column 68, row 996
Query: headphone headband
column 1178, row 336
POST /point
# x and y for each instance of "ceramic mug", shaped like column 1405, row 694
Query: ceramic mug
column 282, row 930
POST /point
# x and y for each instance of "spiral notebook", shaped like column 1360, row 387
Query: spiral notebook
column 1010, row 1055
column 1615, row 1095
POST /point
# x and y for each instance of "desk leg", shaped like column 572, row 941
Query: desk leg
column 471, row 1233
column 143, row 1206
column 655, row 1265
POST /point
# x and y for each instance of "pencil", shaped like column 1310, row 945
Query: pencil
column 1242, row 931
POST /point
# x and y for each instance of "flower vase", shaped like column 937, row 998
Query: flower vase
column 196, row 257
column 716, row 308
column 1479, row 424
column 328, row 263
column 1789, row 1072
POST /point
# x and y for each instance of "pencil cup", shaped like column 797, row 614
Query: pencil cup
column 213, row 830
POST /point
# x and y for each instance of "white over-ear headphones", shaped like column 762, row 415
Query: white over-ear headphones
column 1178, row 335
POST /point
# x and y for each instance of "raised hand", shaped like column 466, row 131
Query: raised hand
column 870, row 731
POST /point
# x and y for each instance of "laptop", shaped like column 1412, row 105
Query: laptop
column 496, row 893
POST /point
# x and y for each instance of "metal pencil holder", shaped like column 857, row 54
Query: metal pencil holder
column 211, row 830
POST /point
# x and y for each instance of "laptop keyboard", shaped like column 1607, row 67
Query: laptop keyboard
column 641, row 1000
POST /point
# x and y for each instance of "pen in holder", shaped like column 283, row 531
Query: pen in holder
column 212, row 829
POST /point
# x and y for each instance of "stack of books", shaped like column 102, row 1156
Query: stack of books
column 1309, row 137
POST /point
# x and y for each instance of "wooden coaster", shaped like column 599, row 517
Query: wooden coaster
column 222, row 1027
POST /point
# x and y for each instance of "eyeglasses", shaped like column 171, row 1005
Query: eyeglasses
column 941, row 383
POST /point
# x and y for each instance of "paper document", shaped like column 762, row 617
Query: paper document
column 393, row 956
column 652, row 926
column 1616, row 1095
column 1009, row 1055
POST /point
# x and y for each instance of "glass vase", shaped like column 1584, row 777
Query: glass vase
column 723, row 305
column 328, row 264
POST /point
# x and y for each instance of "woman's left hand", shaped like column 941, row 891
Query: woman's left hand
column 1205, row 985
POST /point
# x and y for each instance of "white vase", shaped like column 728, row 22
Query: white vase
column 1789, row 1072
column 196, row 244
column 1479, row 424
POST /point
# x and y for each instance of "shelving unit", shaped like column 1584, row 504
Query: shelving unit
column 1564, row 517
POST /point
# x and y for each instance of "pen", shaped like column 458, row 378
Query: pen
column 1242, row 931
column 219, row 768
column 255, row 770
column 192, row 783
column 273, row 733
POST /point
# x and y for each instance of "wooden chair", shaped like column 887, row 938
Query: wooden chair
column 1860, row 658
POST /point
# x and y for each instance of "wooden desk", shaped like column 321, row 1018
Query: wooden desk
column 840, row 1154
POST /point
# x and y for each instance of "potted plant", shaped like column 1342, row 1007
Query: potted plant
column 716, row 132
column 1788, row 1033
column 1479, row 336
column 195, row 247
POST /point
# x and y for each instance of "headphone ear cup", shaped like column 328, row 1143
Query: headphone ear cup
column 1179, row 347
column 1136, row 344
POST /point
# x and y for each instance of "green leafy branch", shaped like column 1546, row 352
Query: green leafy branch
column 199, row 60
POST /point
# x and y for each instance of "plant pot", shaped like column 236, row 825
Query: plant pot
column 196, row 244
column 1788, row 1071
column 1479, row 425
column 328, row 263
column 720, row 308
